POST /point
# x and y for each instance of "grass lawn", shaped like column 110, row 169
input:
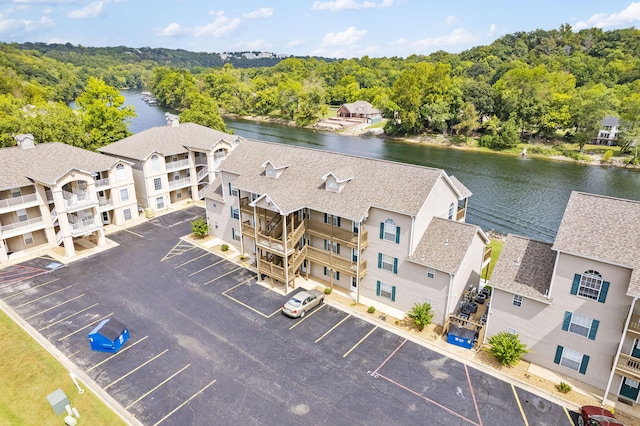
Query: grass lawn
column 29, row 373
column 496, row 249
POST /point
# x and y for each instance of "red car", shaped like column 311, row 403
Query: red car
column 591, row 415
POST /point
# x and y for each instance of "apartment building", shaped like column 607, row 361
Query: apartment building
column 172, row 163
column 573, row 302
column 51, row 194
column 390, row 234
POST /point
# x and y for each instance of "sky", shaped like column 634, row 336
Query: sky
column 328, row 28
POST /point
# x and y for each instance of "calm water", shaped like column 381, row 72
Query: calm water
column 516, row 195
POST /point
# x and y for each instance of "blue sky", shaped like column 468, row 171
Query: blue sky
column 330, row 28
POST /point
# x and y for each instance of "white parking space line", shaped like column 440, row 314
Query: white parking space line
column 56, row 306
column 332, row 328
column 86, row 326
column 134, row 233
column 42, row 297
column 157, row 387
column 67, row 317
column 568, row 416
column 116, row 354
column 136, row 369
column 223, row 275
column 359, row 342
column 524, row 416
column 206, row 267
column 318, row 309
column 75, row 353
column 30, row 288
column 189, row 261
column 184, row 403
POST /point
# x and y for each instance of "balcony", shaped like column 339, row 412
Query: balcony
column 460, row 216
column 16, row 203
column 339, row 235
column 180, row 183
column 104, row 205
column 171, row 166
column 18, row 228
column 634, row 324
column 336, row 262
column 102, row 183
column 74, row 200
column 486, row 257
column 202, row 173
column 201, row 160
column 83, row 226
column 628, row 366
column 275, row 244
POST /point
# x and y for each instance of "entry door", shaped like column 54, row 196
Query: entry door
column 630, row 388
column 105, row 218
column 354, row 284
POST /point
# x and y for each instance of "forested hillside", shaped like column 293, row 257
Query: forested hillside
column 539, row 85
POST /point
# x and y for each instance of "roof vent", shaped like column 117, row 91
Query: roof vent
column 25, row 141
column 518, row 261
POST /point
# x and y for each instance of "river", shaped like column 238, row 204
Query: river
column 524, row 196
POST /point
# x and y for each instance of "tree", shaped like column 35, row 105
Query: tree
column 54, row 122
column 203, row 109
column 421, row 314
column 104, row 118
column 469, row 120
column 589, row 108
column 630, row 125
column 507, row 348
column 200, row 227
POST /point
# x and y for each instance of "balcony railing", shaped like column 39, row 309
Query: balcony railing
column 76, row 199
column 49, row 196
column 100, row 183
column 177, row 165
column 83, row 225
column 461, row 214
column 21, row 227
column 54, row 215
column 180, row 183
column 634, row 323
column 336, row 262
column 18, row 201
column 201, row 159
column 628, row 366
column 486, row 258
column 59, row 237
column 336, row 234
column 105, row 204
column 202, row 173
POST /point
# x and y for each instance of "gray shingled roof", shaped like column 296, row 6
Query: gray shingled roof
column 466, row 193
column 444, row 244
column 599, row 227
column 610, row 120
column 167, row 140
column 46, row 163
column 367, row 108
column 214, row 190
column 525, row 267
column 378, row 183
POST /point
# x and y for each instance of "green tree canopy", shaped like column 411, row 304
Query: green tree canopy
column 203, row 110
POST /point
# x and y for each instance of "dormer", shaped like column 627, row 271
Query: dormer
column 335, row 182
column 271, row 170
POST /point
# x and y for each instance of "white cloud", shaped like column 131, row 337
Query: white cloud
column 628, row 16
column 264, row 12
column 455, row 38
column 337, row 5
column 23, row 25
column 345, row 38
column 451, row 20
column 220, row 27
column 91, row 10
column 295, row 43
column 9, row 25
column 492, row 28
column 171, row 30
column 257, row 45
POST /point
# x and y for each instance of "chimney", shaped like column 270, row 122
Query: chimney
column 172, row 119
column 25, row 141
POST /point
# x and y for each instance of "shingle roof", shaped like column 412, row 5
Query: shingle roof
column 444, row 244
column 214, row 190
column 466, row 193
column 366, row 108
column 393, row 186
column 46, row 163
column 525, row 267
column 600, row 227
column 167, row 140
column 610, row 120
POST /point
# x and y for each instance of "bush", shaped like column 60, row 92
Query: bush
column 327, row 290
column 421, row 315
column 224, row 247
column 200, row 227
column 563, row 387
column 607, row 156
column 371, row 310
column 507, row 348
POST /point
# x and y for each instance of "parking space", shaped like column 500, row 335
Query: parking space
column 208, row 345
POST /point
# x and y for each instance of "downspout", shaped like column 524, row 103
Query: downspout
column 553, row 276
column 413, row 224
column 256, row 223
column 447, row 311
column 285, row 244
column 615, row 359
column 359, row 254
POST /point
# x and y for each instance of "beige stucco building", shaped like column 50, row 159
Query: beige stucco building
column 172, row 163
column 52, row 193
column 573, row 302
column 390, row 234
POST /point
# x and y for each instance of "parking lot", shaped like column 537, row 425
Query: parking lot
column 209, row 345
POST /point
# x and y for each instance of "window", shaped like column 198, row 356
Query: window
column 157, row 184
column 389, row 231
column 22, row 215
column 232, row 190
column 176, row 176
column 28, row 238
column 386, row 290
column 124, row 194
column 335, row 274
column 332, row 219
column 572, row 359
column 451, row 210
column 590, row 285
column 121, row 176
column 512, row 330
column 517, row 301
column 335, row 247
column 388, row 263
column 431, row 273
column 127, row 214
column 354, row 255
column 235, row 235
column 155, row 163
column 178, row 194
column 15, row 192
column 580, row 325
column 235, row 213
column 160, row 202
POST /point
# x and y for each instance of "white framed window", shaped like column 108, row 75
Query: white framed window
column 15, row 192
column 160, row 203
column 570, row 358
column 431, row 273
column 580, row 325
column 124, row 194
column 121, row 176
column 235, row 234
column 451, row 210
column 512, row 330
column 22, row 215
column 235, row 213
column 178, row 194
column 332, row 246
column 590, row 285
column 127, row 214
column 176, row 176
column 157, row 184
column 28, row 238
column 390, row 232
column 155, row 163
column 334, row 274
column 385, row 290
column 388, row 262
column 517, row 300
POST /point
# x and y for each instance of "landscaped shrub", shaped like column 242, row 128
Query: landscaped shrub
column 371, row 310
column 606, row 157
column 563, row 387
column 507, row 348
column 200, row 227
column 421, row 315
column 224, row 247
column 327, row 290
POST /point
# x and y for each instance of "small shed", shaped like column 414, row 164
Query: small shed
column 108, row 336
column 461, row 336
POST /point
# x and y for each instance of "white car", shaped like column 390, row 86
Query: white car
column 301, row 302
